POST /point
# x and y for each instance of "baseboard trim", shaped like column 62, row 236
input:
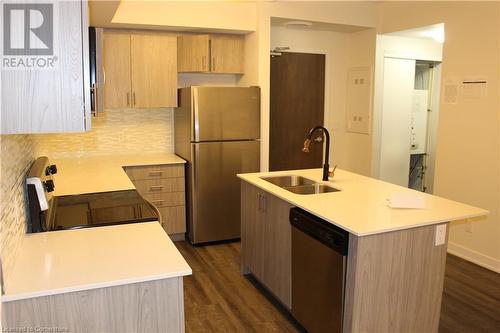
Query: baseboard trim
column 474, row 256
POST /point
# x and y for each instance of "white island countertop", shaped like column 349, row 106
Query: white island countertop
column 360, row 207
column 102, row 173
column 58, row 262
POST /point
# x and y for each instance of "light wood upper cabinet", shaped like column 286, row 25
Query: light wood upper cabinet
column 47, row 90
column 226, row 54
column 140, row 70
column 154, row 70
column 210, row 53
column 116, row 55
column 192, row 53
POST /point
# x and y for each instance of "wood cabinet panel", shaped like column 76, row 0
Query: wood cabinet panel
column 54, row 98
column 227, row 54
column 152, row 306
column 266, row 240
column 154, row 70
column 116, row 59
column 252, row 230
column 278, row 248
column 193, row 53
column 214, row 53
column 164, row 186
column 173, row 219
column 155, row 171
column 161, row 200
column 404, row 271
column 151, row 186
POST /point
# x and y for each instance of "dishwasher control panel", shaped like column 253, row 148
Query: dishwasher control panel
column 323, row 231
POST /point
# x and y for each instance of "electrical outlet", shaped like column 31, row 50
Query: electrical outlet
column 440, row 234
column 468, row 227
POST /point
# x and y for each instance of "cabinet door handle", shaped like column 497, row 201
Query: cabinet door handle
column 133, row 98
column 157, row 203
column 262, row 205
column 155, row 188
column 155, row 173
column 128, row 99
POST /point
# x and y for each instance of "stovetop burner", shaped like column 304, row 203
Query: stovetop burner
column 49, row 213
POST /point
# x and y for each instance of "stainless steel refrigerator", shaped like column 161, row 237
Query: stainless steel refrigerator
column 217, row 131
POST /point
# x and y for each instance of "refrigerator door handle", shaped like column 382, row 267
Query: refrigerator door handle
column 196, row 157
column 196, row 116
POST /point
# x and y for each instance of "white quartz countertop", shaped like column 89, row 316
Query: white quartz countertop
column 103, row 173
column 361, row 205
column 73, row 260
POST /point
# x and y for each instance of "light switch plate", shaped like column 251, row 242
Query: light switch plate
column 440, row 234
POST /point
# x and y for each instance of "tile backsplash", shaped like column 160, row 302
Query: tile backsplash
column 115, row 131
column 17, row 154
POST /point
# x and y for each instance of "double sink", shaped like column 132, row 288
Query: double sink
column 300, row 185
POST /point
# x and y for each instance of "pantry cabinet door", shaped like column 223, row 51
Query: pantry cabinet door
column 116, row 58
column 45, row 80
column 154, row 70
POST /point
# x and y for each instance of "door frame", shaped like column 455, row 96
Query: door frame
column 388, row 47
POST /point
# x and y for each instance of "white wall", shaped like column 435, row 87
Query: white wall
column 257, row 66
column 333, row 45
column 342, row 51
column 468, row 154
column 396, row 47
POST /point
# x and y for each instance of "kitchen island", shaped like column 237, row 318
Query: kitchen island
column 106, row 279
column 394, row 268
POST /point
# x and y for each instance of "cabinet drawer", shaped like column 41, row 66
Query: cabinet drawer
column 173, row 219
column 155, row 171
column 166, row 185
column 161, row 200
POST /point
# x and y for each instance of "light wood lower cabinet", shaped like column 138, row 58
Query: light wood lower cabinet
column 164, row 187
column 394, row 280
column 266, row 241
column 153, row 306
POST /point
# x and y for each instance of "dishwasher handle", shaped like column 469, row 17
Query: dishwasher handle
column 321, row 230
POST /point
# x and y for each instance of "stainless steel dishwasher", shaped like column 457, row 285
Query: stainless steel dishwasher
column 319, row 257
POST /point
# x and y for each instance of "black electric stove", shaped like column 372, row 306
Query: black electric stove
column 50, row 213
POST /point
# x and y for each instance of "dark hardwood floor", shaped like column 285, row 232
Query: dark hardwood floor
column 219, row 299
column 471, row 298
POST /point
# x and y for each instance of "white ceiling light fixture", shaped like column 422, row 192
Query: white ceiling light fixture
column 298, row 24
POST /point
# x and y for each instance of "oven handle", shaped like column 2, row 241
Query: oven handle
column 156, row 210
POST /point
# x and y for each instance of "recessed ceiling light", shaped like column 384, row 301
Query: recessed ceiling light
column 298, row 24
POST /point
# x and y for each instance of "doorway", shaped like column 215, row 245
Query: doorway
column 409, row 123
column 297, row 98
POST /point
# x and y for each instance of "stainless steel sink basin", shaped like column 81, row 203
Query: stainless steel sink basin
column 300, row 185
column 311, row 189
column 289, row 181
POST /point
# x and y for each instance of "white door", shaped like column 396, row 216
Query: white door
column 399, row 81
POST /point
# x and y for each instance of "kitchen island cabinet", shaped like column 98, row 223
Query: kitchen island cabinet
column 266, row 250
column 108, row 279
column 396, row 257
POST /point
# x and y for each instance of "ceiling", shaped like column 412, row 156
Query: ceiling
column 323, row 26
